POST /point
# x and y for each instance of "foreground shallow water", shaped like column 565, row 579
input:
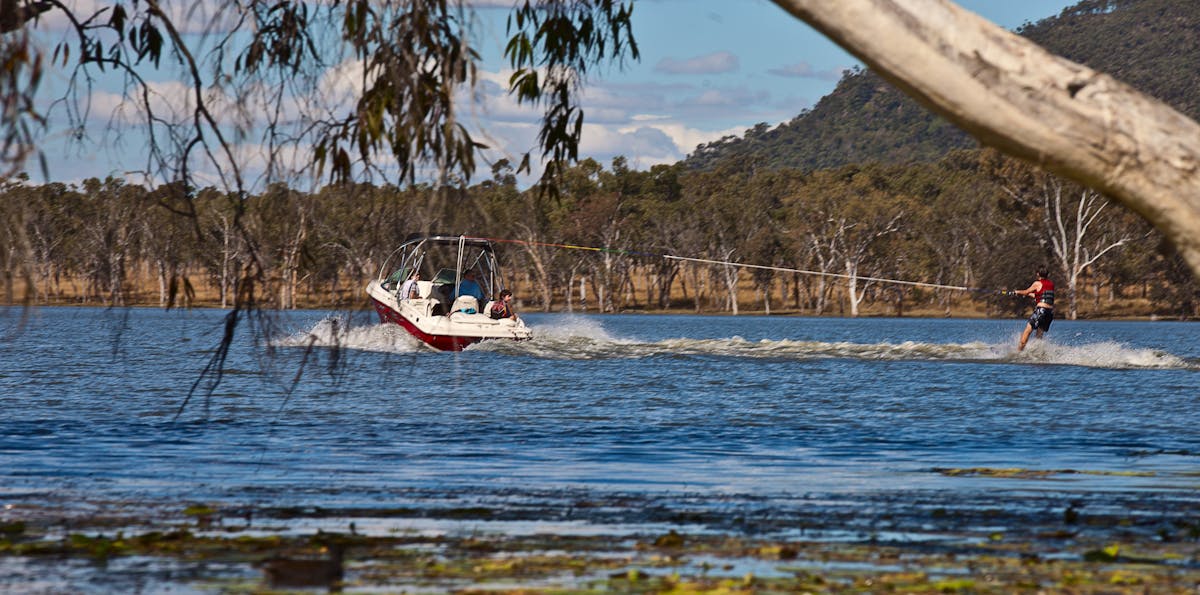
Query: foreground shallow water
column 629, row 425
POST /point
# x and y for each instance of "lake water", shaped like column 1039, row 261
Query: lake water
column 703, row 409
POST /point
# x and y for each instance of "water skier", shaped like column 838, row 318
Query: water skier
column 1042, row 292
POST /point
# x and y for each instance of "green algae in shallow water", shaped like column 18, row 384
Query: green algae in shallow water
column 962, row 559
column 1020, row 473
column 671, row 540
column 470, row 512
column 199, row 510
column 12, row 529
column 100, row 547
column 1108, row 554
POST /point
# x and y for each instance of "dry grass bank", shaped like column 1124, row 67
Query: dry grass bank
column 146, row 290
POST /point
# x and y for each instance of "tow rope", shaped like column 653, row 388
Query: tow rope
column 741, row 265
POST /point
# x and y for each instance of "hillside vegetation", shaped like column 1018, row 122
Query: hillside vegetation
column 1152, row 45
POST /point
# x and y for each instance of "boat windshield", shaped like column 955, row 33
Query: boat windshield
column 439, row 260
column 445, row 276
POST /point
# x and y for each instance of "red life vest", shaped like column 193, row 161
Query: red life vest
column 499, row 310
column 1045, row 293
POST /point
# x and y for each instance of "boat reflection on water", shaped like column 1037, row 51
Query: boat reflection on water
column 447, row 307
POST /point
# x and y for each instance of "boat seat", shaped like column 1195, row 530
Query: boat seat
column 424, row 288
column 466, row 303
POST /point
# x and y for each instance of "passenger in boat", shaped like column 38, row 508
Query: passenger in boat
column 1042, row 292
column 469, row 286
column 409, row 290
column 502, row 307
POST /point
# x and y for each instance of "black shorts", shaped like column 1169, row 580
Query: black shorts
column 1041, row 318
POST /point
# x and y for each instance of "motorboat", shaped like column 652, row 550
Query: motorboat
column 447, row 306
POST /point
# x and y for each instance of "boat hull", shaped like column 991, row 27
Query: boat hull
column 438, row 342
column 424, row 319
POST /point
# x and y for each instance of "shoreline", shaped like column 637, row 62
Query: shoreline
column 992, row 540
column 783, row 313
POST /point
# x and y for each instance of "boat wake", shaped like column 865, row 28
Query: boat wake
column 336, row 332
column 576, row 338
column 1096, row 355
column 584, row 339
column 1105, row 354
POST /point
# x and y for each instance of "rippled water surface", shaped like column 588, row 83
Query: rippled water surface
column 328, row 409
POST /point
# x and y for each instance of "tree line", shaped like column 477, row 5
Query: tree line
column 973, row 219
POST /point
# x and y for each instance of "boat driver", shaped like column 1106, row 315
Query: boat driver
column 469, row 286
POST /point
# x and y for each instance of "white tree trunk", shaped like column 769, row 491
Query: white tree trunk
column 605, row 285
column 1069, row 235
column 570, row 289
column 1013, row 95
column 824, row 263
column 161, row 270
column 601, row 290
column 226, row 259
column 852, row 292
column 538, row 260
column 852, row 289
column 730, row 275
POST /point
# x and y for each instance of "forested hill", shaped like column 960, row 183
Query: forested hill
column 1153, row 45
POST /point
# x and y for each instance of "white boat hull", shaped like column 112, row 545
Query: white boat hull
column 423, row 318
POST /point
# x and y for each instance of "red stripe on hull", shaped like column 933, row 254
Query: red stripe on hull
column 439, row 342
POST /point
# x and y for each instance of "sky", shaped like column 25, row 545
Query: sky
column 708, row 69
column 711, row 68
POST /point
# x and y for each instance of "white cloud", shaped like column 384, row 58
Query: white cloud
column 647, row 144
column 191, row 17
column 723, row 101
column 714, row 98
column 644, row 143
column 171, row 101
column 342, row 83
column 686, row 138
column 715, row 63
column 506, row 4
column 803, row 69
column 647, row 123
